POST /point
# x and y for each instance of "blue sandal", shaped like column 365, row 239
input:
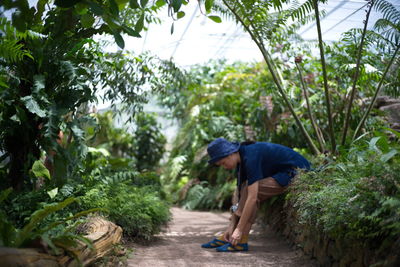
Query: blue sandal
column 215, row 243
column 231, row 248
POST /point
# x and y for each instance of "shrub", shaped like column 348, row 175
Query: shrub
column 140, row 211
column 357, row 198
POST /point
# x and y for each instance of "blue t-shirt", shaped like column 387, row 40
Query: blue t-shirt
column 261, row 160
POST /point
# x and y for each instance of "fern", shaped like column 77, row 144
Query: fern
column 389, row 25
column 10, row 47
column 12, row 51
column 27, row 231
column 177, row 165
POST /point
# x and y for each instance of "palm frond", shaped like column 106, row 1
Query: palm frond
column 388, row 10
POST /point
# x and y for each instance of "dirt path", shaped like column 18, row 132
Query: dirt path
column 180, row 245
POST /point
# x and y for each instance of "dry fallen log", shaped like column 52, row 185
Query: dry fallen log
column 104, row 235
column 26, row 257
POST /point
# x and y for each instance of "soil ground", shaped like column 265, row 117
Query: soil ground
column 180, row 244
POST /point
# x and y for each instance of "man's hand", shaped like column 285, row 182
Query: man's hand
column 236, row 237
column 227, row 235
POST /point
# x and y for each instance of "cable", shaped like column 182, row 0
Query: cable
column 329, row 13
column 184, row 32
column 344, row 19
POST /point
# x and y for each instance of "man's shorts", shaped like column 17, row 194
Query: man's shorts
column 267, row 188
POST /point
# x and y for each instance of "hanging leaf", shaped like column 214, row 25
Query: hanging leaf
column 172, row 28
column 39, row 170
column 114, row 7
column 176, row 4
column 160, row 3
column 52, row 193
column 33, row 106
column 87, row 20
column 118, row 39
column 81, row 8
column 215, row 19
column 386, row 157
column 3, row 84
column 181, row 14
column 140, row 23
column 208, row 5
column 96, row 8
column 131, row 32
column 134, row 4
column 143, row 3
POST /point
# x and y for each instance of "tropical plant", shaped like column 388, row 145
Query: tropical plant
column 51, row 71
column 267, row 21
column 34, row 229
column 149, row 142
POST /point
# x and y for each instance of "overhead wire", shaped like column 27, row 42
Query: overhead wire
column 351, row 14
column 184, row 32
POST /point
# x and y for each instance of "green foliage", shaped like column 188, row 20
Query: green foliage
column 149, row 142
column 135, row 204
column 37, row 228
column 204, row 197
column 356, row 198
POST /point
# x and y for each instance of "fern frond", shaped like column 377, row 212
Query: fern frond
column 388, row 29
column 388, row 10
column 300, row 11
column 177, row 166
column 12, row 51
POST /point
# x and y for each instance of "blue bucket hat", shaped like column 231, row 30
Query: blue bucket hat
column 221, row 148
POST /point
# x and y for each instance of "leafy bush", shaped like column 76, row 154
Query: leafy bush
column 204, row 197
column 139, row 210
column 57, row 231
column 358, row 197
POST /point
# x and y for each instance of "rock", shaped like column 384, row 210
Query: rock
column 393, row 113
column 385, row 101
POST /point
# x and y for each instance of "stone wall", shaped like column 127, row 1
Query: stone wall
column 282, row 217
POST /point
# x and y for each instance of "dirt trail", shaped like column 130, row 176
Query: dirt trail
column 180, row 245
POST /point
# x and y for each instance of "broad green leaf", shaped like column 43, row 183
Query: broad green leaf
column 130, row 31
column 215, row 19
column 15, row 118
column 96, row 8
column 39, row 170
column 33, row 106
column 3, row 84
column 134, row 4
column 208, row 5
column 39, row 83
column 140, row 23
column 37, row 217
column 118, row 39
column 18, row 21
column 52, row 193
column 113, row 7
column 143, row 3
column 87, row 20
column 372, row 143
column 81, row 8
column 160, row 3
column 181, row 14
column 4, row 194
column 386, row 157
column 176, row 4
